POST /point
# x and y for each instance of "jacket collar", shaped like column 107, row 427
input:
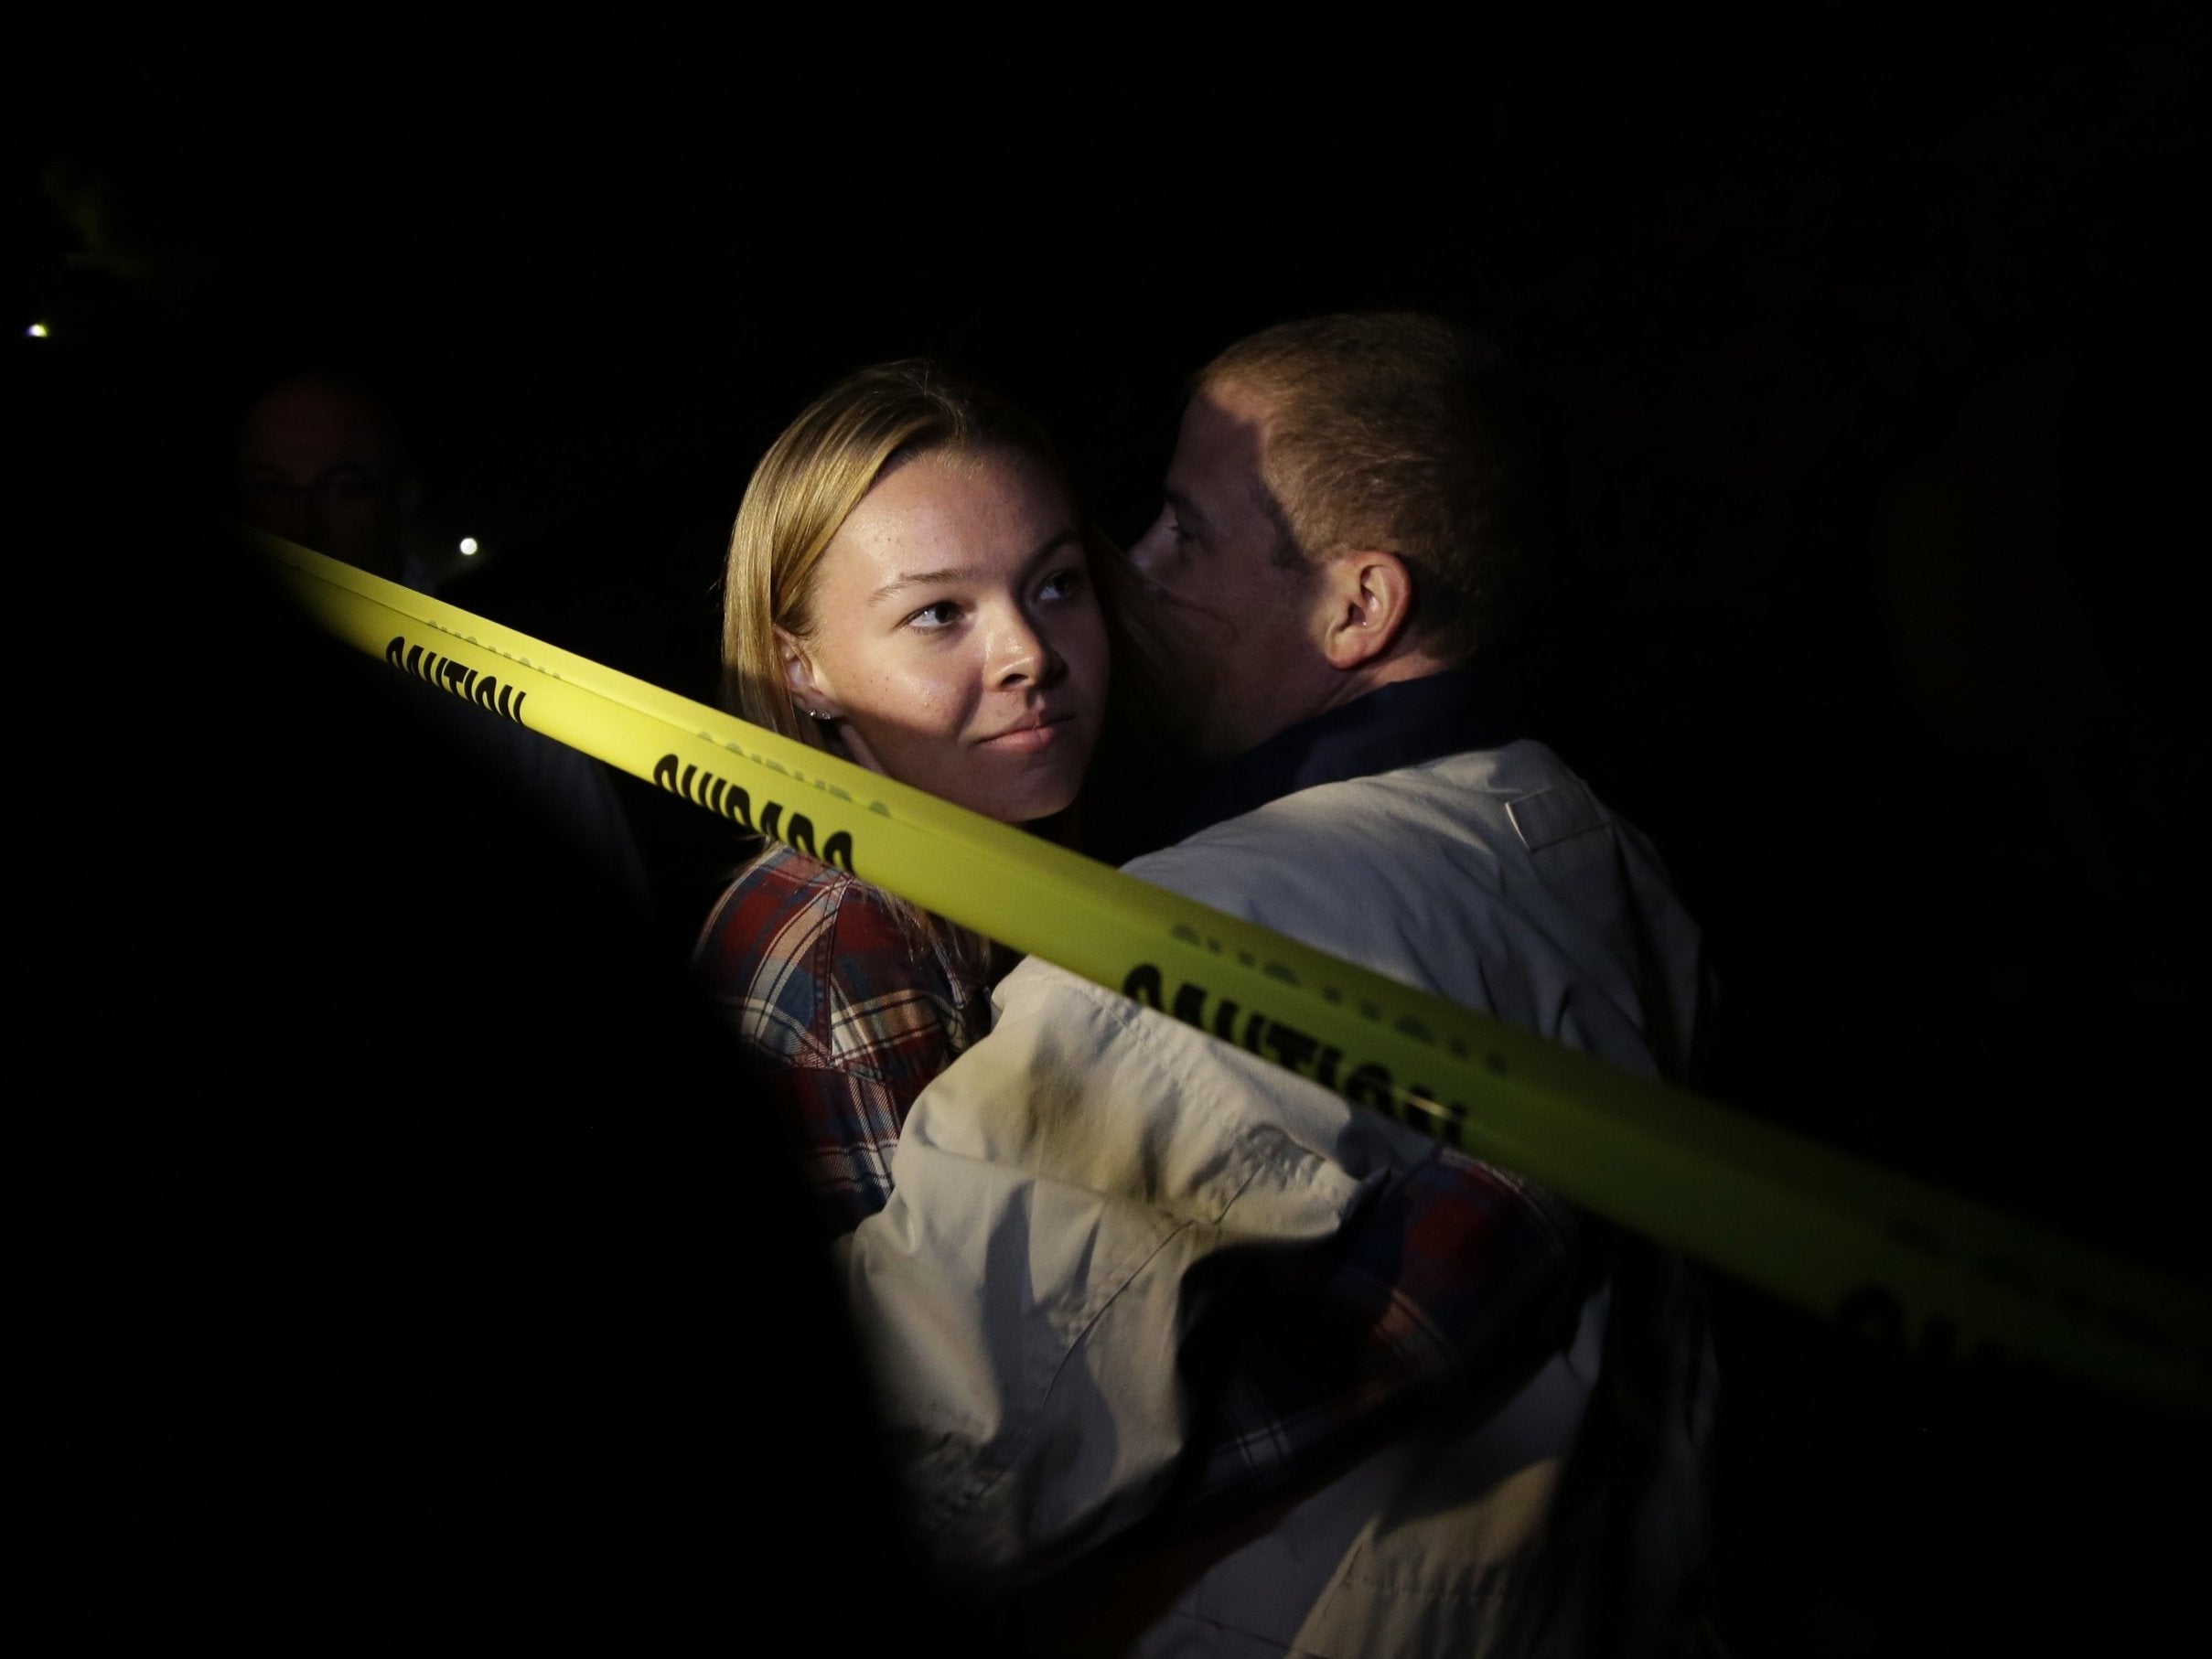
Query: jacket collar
column 1393, row 726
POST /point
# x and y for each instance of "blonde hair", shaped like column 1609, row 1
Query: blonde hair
column 807, row 485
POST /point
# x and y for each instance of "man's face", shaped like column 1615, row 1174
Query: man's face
column 1236, row 602
column 317, row 466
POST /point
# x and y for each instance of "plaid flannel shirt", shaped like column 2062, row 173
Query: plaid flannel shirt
column 1450, row 1274
column 1453, row 1275
column 849, row 1011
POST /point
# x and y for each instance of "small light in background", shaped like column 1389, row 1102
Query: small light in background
column 37, row 331
column 469, row 547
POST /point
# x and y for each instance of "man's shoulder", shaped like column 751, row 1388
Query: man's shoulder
column 1508, row 798
column 1496, row 878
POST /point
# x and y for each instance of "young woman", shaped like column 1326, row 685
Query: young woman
column 910, row 586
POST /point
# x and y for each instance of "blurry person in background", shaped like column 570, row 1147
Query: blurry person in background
column 322, row 462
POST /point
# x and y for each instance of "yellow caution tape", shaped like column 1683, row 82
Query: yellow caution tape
column 1905, row 1262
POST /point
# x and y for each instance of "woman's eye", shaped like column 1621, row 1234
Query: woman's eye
column 942, row 615
column 1062, row 584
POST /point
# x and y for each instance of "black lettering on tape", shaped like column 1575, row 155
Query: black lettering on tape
column 458, row 677
column 1370, row 1084
column 1191, row 1004
column 1437, row 1110
column 1293, row 1047
column 726, row 799
column 1455, row 1117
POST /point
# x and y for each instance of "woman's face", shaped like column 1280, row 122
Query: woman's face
column 956, row 638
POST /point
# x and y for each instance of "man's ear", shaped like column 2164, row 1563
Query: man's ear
column 799, row 676
column 1369, row 600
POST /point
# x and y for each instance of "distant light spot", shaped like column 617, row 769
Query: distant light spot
column 468, row 546
column 37, row 331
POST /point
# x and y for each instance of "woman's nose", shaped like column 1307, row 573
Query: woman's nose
column 1027, row 653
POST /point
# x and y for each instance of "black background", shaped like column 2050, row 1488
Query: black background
column 1871, row 353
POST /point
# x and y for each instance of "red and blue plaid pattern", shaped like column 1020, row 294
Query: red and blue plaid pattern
column 1454, row 1275
column 850, row 1007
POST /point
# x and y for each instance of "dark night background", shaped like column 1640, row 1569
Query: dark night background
column 1870, row 355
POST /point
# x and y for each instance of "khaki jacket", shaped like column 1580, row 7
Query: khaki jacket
column 1072, row 1194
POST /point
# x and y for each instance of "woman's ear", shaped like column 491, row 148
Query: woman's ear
column 815, row 700
column 799, row 679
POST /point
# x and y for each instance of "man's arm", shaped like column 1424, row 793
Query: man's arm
column 1089, row 1187
column 1025, row 1296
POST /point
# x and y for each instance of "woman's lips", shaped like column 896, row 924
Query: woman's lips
column 1029, row 739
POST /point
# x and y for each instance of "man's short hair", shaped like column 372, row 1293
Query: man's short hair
column 1389, row 431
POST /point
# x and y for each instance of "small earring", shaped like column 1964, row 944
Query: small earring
column 817, row 713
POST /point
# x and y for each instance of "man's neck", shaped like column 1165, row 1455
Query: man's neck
column 1402, row 720
column 1394, row 670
